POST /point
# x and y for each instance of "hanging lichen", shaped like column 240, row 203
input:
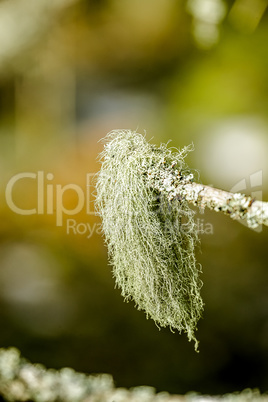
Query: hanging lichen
column 151, row 240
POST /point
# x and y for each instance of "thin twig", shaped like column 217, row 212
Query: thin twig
column 236, row 205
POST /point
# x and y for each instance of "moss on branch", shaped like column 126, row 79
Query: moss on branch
column 143, row 196
column 151, row 239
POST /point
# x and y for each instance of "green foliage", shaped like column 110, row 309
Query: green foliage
column 150, row 239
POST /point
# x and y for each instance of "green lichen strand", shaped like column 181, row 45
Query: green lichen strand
column 151, row 240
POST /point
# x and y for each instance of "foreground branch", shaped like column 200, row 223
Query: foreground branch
column 23, row 381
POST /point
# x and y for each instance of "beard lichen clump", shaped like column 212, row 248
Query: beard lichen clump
column 151, row 239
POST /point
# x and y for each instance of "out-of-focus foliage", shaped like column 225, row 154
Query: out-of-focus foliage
column 192, row 71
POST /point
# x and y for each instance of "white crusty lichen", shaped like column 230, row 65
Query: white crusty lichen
column 151, row 237
column 238, row 206
column 21, row 381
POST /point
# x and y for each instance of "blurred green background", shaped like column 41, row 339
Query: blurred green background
column 187, row 71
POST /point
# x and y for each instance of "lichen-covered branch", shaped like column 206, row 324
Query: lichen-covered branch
column 153, row 259
column 176, row 185
column 236, row 205
column 143, row 197
column 23, row 381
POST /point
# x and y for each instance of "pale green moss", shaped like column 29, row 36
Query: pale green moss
column 151, row 240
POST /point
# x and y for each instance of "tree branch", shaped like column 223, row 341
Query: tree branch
column 175, row 185
column 236, row 205
column 23, row 381
column 143, row 196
